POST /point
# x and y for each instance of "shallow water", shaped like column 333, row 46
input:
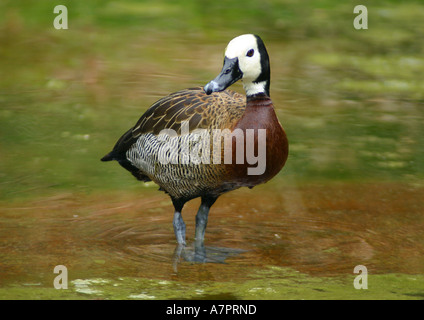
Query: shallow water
column 122, row 246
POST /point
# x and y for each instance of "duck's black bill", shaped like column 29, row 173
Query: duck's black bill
column 230, row 74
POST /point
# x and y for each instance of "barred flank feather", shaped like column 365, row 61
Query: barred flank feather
column 140, row 151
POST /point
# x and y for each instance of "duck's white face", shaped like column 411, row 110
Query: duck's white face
column 245, row 49
column 245, row 58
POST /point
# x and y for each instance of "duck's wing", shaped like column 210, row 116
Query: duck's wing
column 219, row 110
column 193, row 105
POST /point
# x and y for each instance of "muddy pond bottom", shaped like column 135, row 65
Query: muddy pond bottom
column 272, row 242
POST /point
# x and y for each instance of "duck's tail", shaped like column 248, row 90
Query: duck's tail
column 109, row 157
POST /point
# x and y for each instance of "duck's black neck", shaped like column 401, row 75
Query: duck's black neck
column 262, row 83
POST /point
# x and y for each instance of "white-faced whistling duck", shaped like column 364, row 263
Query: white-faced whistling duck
column 196, row 113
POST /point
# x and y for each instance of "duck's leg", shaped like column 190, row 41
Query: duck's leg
column 202, row 216
column 178, row 222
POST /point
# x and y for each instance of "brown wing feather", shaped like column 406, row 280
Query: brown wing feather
column 218, row 110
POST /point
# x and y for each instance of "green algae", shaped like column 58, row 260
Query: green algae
column 269, row 283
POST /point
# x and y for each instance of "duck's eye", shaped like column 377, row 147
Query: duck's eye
column 250, row 53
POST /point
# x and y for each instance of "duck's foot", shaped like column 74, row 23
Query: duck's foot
column 202, row 254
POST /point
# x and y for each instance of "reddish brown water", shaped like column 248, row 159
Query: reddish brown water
column 323, row 230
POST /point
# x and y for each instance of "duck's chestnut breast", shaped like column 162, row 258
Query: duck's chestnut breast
column 265, row 144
